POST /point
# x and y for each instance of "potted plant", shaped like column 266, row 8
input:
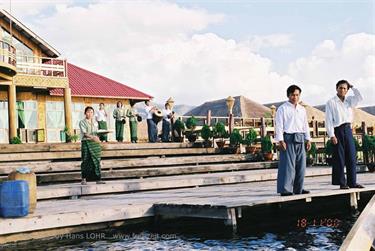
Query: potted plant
column 15, row 140
column 368, row 147
column 235, row 140
column 220, row 133
column 190, row 133
column 206, row 134
column 178, row 129
column 311, row 155
column 328, row 150
column 249, row 140
column 267, row 148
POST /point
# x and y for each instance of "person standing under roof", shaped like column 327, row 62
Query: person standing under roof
column 133, row 122
column 119, row 115
column 292, row 131
column 101, row 118
column 339, row 116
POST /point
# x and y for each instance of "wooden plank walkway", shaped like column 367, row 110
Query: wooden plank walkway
column 52, row 214
column 107, row 164
column 28, row 156
column 167, row 182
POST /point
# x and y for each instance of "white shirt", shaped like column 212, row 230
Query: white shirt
column 101, row 115
column 167, row 112
column 291, row 119
column 148, row 111
column 338, row 112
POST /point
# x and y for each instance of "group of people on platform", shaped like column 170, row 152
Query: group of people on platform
column 293, row 136
column 291, row 133
column 95, row 121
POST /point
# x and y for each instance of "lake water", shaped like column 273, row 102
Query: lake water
column 308, row 234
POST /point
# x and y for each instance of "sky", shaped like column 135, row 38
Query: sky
column 196, row 51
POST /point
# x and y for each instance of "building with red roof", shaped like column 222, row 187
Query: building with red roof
column 41, row 93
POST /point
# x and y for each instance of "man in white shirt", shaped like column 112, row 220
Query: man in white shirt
column 339, row 116
column 166, row 127
column 152, row 129
column 292, row 130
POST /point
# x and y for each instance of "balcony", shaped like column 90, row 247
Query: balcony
column 31, row 71
column 7, row 61
column 41, row 72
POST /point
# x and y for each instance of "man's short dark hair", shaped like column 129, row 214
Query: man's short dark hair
column 291, row 90
column 343, row 82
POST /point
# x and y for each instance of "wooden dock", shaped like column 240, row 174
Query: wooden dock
column 154, row 182
column 211, row 200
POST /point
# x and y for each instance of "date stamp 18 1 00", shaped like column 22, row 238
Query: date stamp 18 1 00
column 318, row 222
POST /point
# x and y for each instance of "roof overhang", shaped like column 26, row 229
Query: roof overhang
column 21, row 28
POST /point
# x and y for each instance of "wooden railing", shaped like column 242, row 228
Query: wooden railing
column 41, row 66
column 7, row 53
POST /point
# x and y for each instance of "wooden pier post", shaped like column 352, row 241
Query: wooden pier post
column 263, row 129
column 208, row 118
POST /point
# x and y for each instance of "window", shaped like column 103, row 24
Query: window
column 78, row 110
column 21, row 48
column 27, row 114
column 55, row 120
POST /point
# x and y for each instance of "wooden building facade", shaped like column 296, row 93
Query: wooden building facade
column 41, row 94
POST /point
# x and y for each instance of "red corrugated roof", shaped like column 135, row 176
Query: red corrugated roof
column 88, row 84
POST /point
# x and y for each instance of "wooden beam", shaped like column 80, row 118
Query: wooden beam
column 150, row 172
column 12, row 113
column 362, row 234
column 68, row 109
column 168, row 182
column 48, row 166
column 105, row 154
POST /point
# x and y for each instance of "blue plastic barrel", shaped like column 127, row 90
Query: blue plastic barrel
column 14, row 198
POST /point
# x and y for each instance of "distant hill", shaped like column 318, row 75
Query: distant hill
column 182, row 109
column 369, row 109
column 312, row 112
column 178, row 109
column 243, row 107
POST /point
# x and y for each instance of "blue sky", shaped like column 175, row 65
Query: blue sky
column 307, row 21
column 195, row 51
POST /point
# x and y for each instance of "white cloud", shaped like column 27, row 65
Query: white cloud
column 156, row 47
column 163, row 49
column 274, row 40
column 354, row 61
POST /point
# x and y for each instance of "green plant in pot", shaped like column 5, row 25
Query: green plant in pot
column 68, row 136
column 267, row 147
column 15, row 140
column 191, row 124
column 311, row 155
column 178, row 130
column 235, row 139
column 250, row 140
column 206, row 135
column 220, row 133
column 328, row 150
column 368, row 147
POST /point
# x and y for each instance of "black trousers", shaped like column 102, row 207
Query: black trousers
column 344, row 155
